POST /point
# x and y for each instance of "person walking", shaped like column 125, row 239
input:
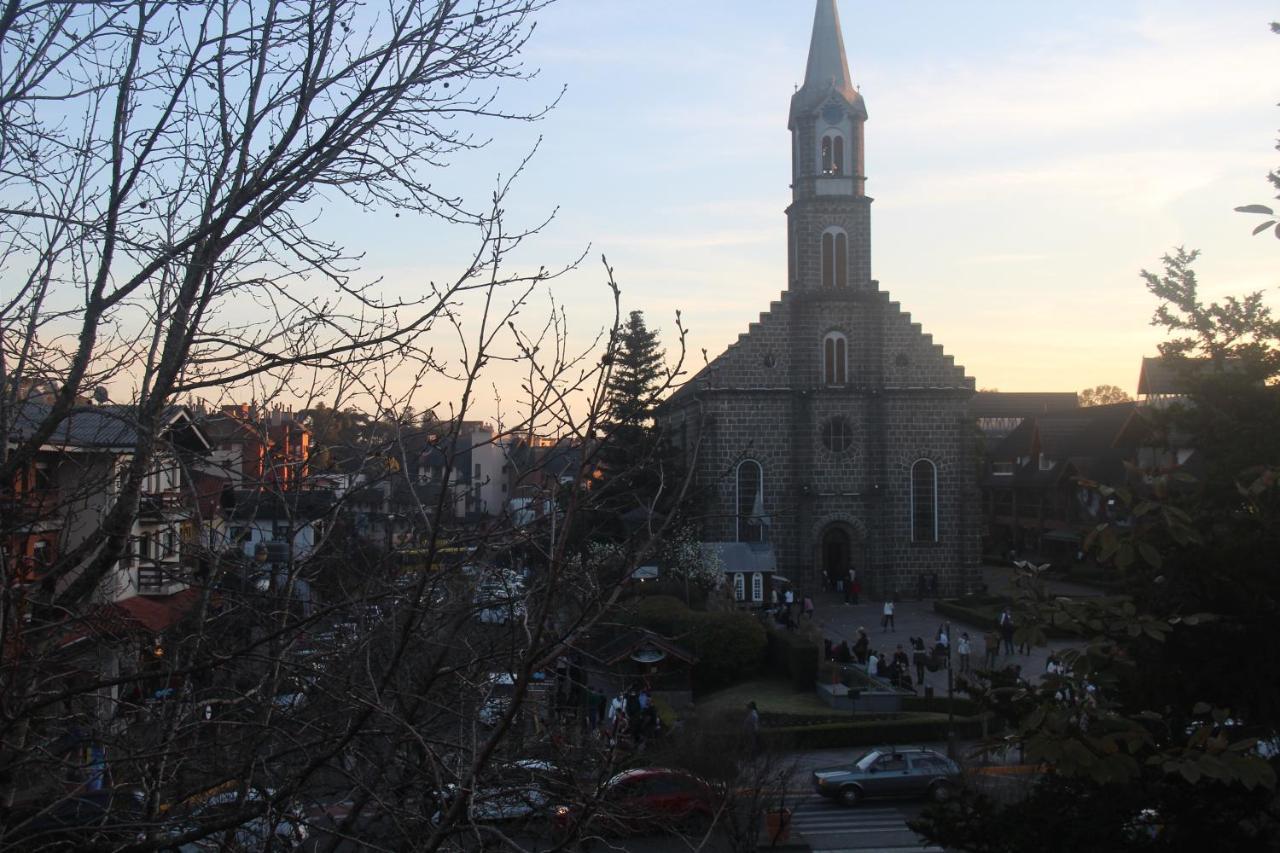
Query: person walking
column 850, row 587
column 919, row 657
column 856, row 585
column 1006, row 631
column 991, row 640
column 962, row 648
column 886, row 621
column 808, row 607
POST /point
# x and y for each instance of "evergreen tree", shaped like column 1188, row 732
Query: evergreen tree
column 632, row 452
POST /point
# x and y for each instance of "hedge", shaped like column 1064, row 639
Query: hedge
column 729, row 645
column 796, row 655
column 907, row 729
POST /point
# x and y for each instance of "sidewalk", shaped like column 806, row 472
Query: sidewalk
column 914, row 618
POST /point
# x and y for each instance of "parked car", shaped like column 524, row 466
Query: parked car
column 516, row 790
column 890, row 772
column 643, row 800
column 283, row 824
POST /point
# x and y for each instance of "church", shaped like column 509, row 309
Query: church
column 834, row 434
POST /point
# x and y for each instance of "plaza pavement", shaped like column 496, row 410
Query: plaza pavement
column 916, row 618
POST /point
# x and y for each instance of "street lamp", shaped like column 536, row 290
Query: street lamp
column 951, row 706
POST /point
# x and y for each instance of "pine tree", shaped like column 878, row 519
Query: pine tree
column 631, row 453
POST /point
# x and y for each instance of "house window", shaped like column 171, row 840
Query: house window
column 750, row 501
column 757, row 586
column 833, row 154
column 835, row 259
column 924, row 501
column 739, row 587
column 834, row 359
column 837, row 434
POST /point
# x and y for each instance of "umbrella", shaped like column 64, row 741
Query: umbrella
column 781, row 579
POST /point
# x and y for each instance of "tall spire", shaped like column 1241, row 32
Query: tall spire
column 828, row 67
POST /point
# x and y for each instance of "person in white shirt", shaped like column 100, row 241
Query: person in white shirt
column 886, row 622
column 963, row 648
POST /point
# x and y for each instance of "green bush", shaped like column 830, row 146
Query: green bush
column 878, row 731
column 796, row 655
column 730, row 645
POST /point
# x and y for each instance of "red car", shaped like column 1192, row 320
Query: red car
column 643, row 801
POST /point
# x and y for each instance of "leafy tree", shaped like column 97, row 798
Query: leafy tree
column 1153, row 730
column 1103, row 395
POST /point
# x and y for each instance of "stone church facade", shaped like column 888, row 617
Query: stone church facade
column 834, row 434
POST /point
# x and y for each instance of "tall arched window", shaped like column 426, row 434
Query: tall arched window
column 835, row 258
column 757, row 586
column 833, row 154
column 751, row 518
column 739, row 587
column 835, row 359
column 924, row 501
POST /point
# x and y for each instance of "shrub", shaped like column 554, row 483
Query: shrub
column 796, row 655
column 876, row 731
column 729, row 645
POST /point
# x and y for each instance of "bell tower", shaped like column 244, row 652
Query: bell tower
column 829, row 224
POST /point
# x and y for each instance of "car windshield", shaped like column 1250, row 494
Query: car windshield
column 867, row 760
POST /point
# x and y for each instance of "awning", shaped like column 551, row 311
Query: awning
column 742, row 556
column 154, row 614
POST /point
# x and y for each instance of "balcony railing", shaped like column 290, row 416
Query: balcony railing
column 160, row 578
column 37, row 505
column 159, row 503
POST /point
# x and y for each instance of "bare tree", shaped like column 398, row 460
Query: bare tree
column 163, row 167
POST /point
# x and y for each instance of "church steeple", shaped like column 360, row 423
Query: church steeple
column 827, row 71
column 829, row 220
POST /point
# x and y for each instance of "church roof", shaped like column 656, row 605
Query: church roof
column 828, row 68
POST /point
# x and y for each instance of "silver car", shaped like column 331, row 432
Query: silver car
column 905, row 771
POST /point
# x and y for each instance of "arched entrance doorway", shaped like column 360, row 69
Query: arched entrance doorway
column 837, row 554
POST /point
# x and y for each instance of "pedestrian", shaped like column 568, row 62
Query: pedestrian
column 828, row 650
column 919, row 657
column 1006, row 631
column 860, row 646
column 992, row 642
column 886, row 621
column 853, row 587
column 933, row 584
column 773, row 599
column 857, row 590
column 751, row 729
column 808, row 607
column 843, row 655
column 873, row 663
column 963, row 648
column 900, row 659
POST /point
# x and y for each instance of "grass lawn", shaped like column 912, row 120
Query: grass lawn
column 772, row 696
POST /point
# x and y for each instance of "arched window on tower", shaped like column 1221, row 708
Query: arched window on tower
column 924, row 501
column 835, row 360
column 835, row 258
column 751, row 520
column 833, row 154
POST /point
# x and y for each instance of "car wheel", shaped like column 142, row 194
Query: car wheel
column 941, row 792
column 850, row 795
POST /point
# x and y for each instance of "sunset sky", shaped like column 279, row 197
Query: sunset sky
column 1026, row 161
